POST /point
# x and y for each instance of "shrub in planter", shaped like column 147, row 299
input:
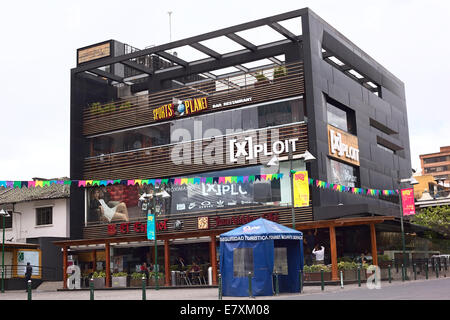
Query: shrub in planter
column 152, row 279
column 313, row 273
column 278, row 73
column 136, row 279
column 348, row 269
column 261, row 79
column 119, row 280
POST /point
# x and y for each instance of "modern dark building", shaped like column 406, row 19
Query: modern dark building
column 204, row 131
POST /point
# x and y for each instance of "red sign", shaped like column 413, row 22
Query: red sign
column 408, row 205
column 243, row 219
column 138, row 227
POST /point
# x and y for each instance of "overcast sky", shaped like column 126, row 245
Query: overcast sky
column 40, row 38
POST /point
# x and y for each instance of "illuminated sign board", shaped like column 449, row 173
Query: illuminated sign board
column 182, row 108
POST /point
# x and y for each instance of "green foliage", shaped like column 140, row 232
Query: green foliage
column 383, row 257
column 316, row 268
column 345, row 259
column 345, row 265
column 174, row 267
column 436, row 218
column 136, row 275
column 279, row 72
column 99, row 274
column 261, row 77
column 120, row 274
column 160, row 275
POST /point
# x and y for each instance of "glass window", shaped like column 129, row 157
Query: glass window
column 242, row 262
column 343, row 174
column 44, row 216
column 241, row 119
column 8, row 221
column 121, row 202
column 280, row 264
column 337, row 117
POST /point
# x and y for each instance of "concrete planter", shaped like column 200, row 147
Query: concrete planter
column 119, row 282
column 136, row 282
column 152, row 281
column 99, row 283
column 315, row 276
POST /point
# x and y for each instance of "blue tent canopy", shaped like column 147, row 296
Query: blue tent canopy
column 258, row 247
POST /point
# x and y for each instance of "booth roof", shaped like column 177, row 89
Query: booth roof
column 261, row 229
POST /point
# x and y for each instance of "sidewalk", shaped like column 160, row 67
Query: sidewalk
column 48, row 292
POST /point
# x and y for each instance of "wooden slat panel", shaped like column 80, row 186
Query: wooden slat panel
column 138, row 111
column 157, row 162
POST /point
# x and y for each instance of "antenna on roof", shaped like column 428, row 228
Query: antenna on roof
column 170, row 26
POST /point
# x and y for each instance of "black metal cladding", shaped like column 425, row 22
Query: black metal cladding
column 378, row 168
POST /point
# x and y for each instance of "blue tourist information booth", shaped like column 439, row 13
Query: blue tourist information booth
column 262, row 248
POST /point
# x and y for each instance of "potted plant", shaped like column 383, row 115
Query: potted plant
column 261, row 79
column 152, row 277
column 119, row 280
column 279, row 73
column 313, row 273
column 136, row 279
column 99, row 279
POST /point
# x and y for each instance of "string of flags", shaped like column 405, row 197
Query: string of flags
column 340, row 188
column 176, row 181
column 197, row 180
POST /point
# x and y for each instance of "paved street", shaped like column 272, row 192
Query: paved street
column 432, row 289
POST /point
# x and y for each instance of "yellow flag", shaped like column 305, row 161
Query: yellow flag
column 301, row 189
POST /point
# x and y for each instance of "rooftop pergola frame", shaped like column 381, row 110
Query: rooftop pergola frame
column 214, row 60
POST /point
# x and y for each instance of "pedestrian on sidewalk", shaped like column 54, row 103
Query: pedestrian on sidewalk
column 319, row 252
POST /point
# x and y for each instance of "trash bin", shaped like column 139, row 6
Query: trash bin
column 210, row 276
column 174, row 278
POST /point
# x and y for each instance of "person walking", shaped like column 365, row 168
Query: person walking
column 319, row 252
column 28, row 273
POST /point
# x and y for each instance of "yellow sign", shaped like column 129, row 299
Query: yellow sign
column 301, row 189
column 186, row 107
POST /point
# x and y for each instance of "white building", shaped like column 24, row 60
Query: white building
column 38, row 216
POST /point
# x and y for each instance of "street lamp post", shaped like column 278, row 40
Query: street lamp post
column 307, row 157
column 411, row 181
column 4, row 214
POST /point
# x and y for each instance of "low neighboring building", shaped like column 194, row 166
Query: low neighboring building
column 38, row 216
column 428, row 184
column 437, row 164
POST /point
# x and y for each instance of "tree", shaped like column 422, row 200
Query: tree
column 436, row 218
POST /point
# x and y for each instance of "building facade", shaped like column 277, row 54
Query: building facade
column 437, row 164
column 37, row 217
column 217, row 137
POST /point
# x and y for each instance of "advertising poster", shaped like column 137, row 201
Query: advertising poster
column 408, row 205
column 301, row 189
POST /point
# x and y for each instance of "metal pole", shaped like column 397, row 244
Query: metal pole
column 389, row 273
column 359, row 276
column 342, row 279
column 250, row 293
column 321, row 280
column 291, row 175
column 220, row 286
column 144, row 294
column 91, row 288
column 426, row 270
column 156, row 268
column 3, row 255
column 402, row 229
column 301, row 281
column 403, row 272
column 414, row 270
column 29, row 289
column 437, row 271
column 277, row 288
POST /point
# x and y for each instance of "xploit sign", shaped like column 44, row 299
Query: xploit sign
column 251, row 150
